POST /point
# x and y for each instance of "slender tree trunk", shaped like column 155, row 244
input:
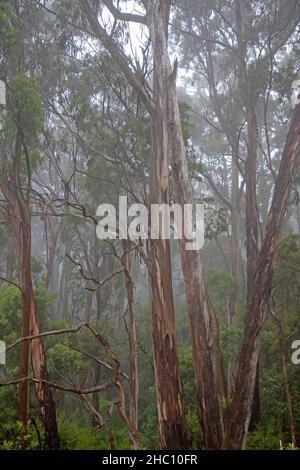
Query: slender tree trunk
column 31, row 325
column 133, row 365
column 95, row 396
column 88, row 306
column 97, row 372
column 240, row 412
column 43, row 390
column 19, row 252
column 249, row 96
column 292, row 422
column 31, row 319
column 210, row 381
column 9, row 266
column 234, row 241
column 62, row 300
column 298, row 217
column 235, row 259
column 51, row 241
column 252, row 232
column 24, row 359
column 255, row 412
column 102, row 297
column 284, row 368
column 251, row 203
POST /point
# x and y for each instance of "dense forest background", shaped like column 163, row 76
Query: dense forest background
column 141, row 344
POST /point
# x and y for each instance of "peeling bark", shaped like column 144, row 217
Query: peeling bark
column 240, row 412
column 210, row 382
column 172, row 425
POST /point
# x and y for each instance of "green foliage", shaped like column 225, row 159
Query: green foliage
column 75, row 436
column 25, row 114
column 10, row 311
column 12, row 435
column 286, row 280
column 187, row 374
column 286, row 288
column 216, row 221
column 11, row 315
column 221, row 284
column 258, row 76
column 189, row 389
column 264, row 439
column 65, row 359
column 44, row 300
column 8, row 33
column 186, row 124
column 9, row 403
column 27, row 107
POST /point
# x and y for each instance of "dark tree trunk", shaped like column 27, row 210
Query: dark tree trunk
column 43, row 390
column 31, row 319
